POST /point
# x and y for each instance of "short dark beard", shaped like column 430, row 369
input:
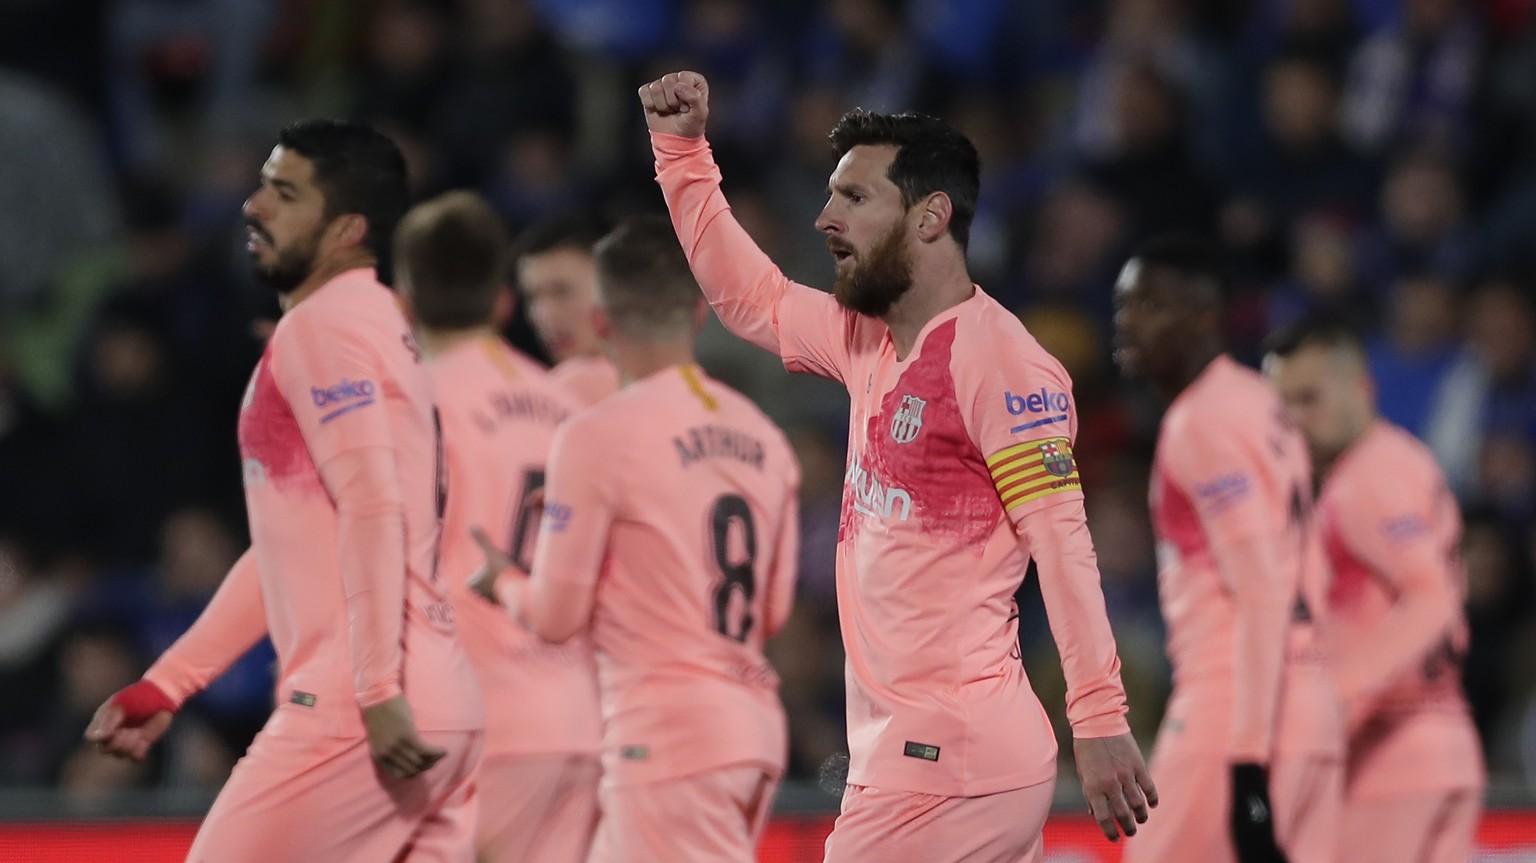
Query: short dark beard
column 879, row 278
column 294, row 264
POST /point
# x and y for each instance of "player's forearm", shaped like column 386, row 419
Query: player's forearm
column 370, row 515
column 1262, row 611
column 233, row 622
column 552, row 610
column 786, row 567
column 741, row 283
column 1074, row 603
column 1418, row 622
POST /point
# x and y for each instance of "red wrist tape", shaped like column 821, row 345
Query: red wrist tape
column 141, row 701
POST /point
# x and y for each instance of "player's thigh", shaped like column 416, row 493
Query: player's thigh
column 537, row 808
column 443, row 825
column 906, row 827
column 1307, row 794
column 1191, row 819
column 1421, row 827
column 296, row 798
column 707, row 817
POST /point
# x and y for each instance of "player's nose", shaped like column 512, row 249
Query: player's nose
column 826, row 224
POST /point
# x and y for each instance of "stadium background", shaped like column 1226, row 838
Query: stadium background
column 1373, row 156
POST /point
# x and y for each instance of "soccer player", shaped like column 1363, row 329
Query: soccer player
column 670, row 532
column 557, row 279
column 538, row 779
column 371, row 752
column 1391, row 528
column 960, row 469
column 1248, row 756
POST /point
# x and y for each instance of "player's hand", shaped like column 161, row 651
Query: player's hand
column 130, row 722
column 1253, row 819
column 393, row 741
column 483, row 582
column 676, row 104
column 1116, row 783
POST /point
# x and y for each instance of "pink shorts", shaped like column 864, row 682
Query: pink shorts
column 323, row 798
column 537, row 808
column 1192, row 820
column 1427, row 827
column 712, row 817
column 906, row 827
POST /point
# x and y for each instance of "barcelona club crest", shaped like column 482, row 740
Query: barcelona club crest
column 909, row 419
column 1056, row 458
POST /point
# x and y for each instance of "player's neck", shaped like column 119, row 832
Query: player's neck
column 1195, row 363
column 323, row 272
column 434, row 343
column 636, row 360
column 942, row 287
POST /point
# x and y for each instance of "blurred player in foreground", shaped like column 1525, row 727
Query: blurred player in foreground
column 1391, row 528
column 371, row 752
column 960, row 469
column 1254, row 721
column 558, row 281
column 538, row 778
column 670, row 531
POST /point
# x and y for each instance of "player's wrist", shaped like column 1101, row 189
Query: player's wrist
column 140, row 701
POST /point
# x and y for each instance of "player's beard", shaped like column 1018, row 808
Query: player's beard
column 879, row 278
column 293, row 264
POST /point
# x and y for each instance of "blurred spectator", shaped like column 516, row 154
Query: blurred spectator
column 181, row 60
column 137, row 441
column 1423, row 226
column 1151, row 170
column 862, row 48
column 59, row 213
column 1498, row 612
column 1490, row 395
column 1075, row 251
column 33, row 501
column 1413, row 84
column 1415, row 349
column 510, row 106
column 1302, row 165
column 1321, row 273
column 1324, row 29
column 33, row 612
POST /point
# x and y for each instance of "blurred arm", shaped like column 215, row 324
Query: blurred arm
column 233, row 622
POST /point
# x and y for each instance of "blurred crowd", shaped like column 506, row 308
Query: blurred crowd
column 1369, row 156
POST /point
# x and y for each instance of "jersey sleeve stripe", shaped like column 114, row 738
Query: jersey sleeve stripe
column 1029, row 471
column 1009, row 506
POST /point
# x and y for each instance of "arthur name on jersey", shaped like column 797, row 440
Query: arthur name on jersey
column 705, row 442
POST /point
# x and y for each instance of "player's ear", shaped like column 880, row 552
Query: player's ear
column 934, row 213
column 504, row 307
column 349, row 229
column 602, row 325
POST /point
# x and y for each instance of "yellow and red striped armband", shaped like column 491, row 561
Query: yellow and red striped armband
column 1030, row 471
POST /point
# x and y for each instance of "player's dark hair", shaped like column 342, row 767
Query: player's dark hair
column 359, row 171
column 643, row 279
column 577, row 229
column 1193, row 258
column 453, row 248
column 1320, row 329
column 931, row 156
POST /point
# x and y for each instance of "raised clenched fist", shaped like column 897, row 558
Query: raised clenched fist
column 676, row 104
